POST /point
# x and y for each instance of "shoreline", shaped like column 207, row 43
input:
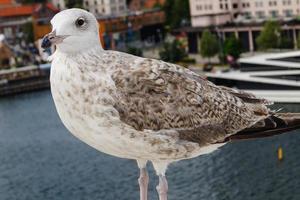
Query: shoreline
column 24, row 79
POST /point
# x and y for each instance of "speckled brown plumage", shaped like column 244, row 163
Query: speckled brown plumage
column 156, row 95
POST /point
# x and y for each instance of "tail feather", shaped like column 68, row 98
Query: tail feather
column 276, row 124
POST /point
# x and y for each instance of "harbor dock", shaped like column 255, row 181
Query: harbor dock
column 24, row 79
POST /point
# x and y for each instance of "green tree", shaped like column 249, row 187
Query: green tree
column 269, row 38
column 74, row 3
column 177, row 12
column 209, row 46
column 298, row 41
column 286, row 43
column 233, row 47
column 157, row 5
column 135, row 51
column 172, row 52
column 28, row 32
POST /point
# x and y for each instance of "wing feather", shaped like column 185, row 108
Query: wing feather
column 156, row 95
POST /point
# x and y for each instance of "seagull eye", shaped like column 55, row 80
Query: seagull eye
column 80, row 22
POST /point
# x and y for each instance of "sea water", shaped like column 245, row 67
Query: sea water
column 41, row 160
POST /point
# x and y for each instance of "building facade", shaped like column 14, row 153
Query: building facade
column 105, row 7
column 14, row 16
column 243, row 18
column 137, row 28
column 217, row 12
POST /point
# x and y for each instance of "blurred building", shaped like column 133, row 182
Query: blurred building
column 218, row 12
column 136, row 5
column 13, row 16
column 117, row 32
column 243, row 18
column 105, row 7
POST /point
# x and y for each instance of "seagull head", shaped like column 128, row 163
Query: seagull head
column 73, row 30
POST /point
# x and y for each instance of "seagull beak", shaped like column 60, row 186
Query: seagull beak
column 52, row 39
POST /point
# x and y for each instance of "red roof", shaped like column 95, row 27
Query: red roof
column 16, row 11
column 5, row 2
column 23, row 10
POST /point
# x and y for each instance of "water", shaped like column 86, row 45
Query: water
column 40, row 160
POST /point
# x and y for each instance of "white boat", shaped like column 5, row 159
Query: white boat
column 272, row 76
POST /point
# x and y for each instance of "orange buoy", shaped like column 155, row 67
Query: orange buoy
column 280, row 154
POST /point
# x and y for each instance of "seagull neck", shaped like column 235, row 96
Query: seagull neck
column 95, row 48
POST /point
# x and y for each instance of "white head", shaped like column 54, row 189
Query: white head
column 73, row 30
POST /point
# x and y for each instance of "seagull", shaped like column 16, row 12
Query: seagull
column 146, row 109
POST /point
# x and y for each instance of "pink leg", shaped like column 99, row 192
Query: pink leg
column 143, row 182
column 162, row 188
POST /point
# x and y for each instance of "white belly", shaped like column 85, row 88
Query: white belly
column 94, row 123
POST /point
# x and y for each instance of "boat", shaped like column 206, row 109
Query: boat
column 274, row 76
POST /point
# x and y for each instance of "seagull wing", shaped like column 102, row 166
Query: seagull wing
column 156, row 95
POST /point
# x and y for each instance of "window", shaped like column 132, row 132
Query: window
column 288, row 13
column 246, row 5
column 199, row 7
column 260, row 14
column 235, row 5
column 286, row 2
column 274, row 13
column 247, row 15
column 7, row 31
column 121, row 8
column 272, row 3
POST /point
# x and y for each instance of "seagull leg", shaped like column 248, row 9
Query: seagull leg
column 143, row 180
column 162, row 188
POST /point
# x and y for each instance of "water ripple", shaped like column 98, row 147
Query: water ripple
column 40, row 160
